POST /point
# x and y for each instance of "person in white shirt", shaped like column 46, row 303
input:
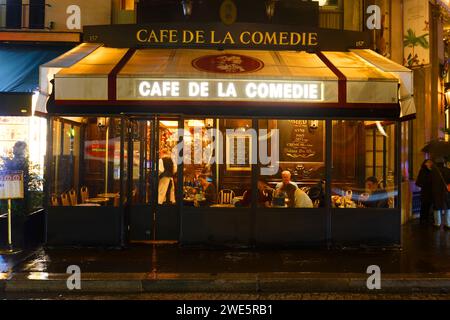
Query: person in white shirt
column 297, row 197
column 166, row 185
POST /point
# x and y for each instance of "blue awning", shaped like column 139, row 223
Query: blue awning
column 19, row 74
column 19, row 65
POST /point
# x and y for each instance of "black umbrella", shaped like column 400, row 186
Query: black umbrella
column 438, row 148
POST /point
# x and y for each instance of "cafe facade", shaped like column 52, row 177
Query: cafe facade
column 236, row 104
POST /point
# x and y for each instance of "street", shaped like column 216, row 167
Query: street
column 229, row 296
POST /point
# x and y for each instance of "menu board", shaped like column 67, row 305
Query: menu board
column 301, row 140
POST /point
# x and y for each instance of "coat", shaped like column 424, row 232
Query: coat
column 425, row 182
column 440, row 179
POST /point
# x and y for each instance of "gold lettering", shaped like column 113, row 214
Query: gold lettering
column 228, row 37
column 284, row 38
column 163, row 35
column 199, row 36
column 153, row 37
column 188, row 36
column 173, row 34
column 241, row 37
column 257, row 37
column 270, row 38
column 295, row 38
column 139, row 35
column 312, row 39
column 213, row 36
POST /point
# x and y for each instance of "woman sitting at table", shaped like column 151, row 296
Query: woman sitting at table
column 264, row 195
column 209, row 191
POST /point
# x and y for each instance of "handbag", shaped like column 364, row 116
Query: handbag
column 443, row 180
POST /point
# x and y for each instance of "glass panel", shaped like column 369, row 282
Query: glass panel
column 292, row 157
column 217, row 162
column 167, row 163
column 94, row 178
column 142, row 142
column 363, row 167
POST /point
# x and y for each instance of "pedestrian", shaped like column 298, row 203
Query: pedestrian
column 424, row 182
column 441, row 204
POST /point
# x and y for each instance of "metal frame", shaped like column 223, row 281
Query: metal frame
column 154, row 154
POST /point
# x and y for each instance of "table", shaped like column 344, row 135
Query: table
column 222, row 206
column 97, row 200
column 107, row 195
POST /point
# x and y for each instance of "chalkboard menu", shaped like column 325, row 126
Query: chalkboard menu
column 301, row 140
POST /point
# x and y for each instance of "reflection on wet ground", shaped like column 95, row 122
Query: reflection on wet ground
column 425, row 250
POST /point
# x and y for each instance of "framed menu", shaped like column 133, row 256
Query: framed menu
column 302, row 141
column 239, row 152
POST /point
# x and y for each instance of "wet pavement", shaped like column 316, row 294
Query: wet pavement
column 230, row 296
column 425, row 250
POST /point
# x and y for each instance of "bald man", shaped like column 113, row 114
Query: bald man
column 288, row 187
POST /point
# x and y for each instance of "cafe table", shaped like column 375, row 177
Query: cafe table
column 222, row 205
column 108, row 195
column 101, row 201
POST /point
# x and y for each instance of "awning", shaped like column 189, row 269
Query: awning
column 405, row 76
column 19, row 75
column 231, row 81
column 47, row 71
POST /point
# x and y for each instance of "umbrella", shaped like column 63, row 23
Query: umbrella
column 438, row 148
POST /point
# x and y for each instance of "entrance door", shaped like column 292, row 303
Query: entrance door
column 152, row 187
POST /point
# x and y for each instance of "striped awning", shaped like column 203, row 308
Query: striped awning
column 358, row 79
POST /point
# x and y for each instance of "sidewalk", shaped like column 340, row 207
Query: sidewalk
column 423, row 265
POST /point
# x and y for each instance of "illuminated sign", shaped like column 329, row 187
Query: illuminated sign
column 238, row 90
column 218, row 35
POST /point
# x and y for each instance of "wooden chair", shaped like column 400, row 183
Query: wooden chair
column 65, row 199
column 117, row 201
column 226, row 196
column 73, row 197
column 84, row 193
column 54, row 201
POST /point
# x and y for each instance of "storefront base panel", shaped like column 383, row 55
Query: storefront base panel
column 84, row 226
column 141, row 222
column 366, row 227
column 167, row 223
column 218, row 226
column 291, row 227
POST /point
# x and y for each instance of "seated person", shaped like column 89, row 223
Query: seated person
column 302, row 200
column 264, row 195
column 375, row 196
column 287, row 187
column 209, row 190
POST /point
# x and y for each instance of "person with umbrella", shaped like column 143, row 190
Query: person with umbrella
column 424, row 181
column 440, row 177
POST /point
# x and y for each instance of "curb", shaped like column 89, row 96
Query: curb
column 232, row 284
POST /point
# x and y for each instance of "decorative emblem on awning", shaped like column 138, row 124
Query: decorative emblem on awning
column 227, row 63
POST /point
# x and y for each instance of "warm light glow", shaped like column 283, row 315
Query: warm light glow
column 196, row 123
column 169, row 124
column 225, row 89
column 321, row 2
column 128, row 5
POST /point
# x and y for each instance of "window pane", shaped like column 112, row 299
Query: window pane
column 217, row 162
column 167, row 163
column 292, row 172
column 363, row 165
column 91, row 175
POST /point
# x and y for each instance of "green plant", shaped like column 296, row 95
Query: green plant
column 411, row 40
column 33, row 182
